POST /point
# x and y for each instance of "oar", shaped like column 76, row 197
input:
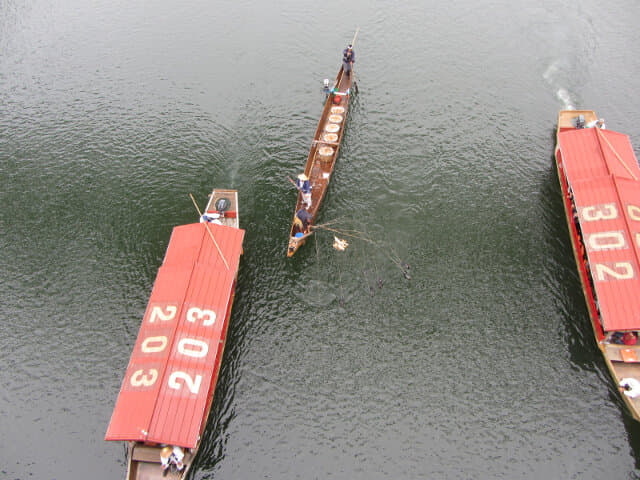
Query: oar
column 210, row 234
column 294, row 184
column 353, row 42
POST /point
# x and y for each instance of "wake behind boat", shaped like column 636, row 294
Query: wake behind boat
column 168, row 388
column 600, row 181
column 322, row 156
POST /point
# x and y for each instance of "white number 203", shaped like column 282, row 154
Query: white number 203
column 191, row 384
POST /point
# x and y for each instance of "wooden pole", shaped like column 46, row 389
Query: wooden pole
column 353, row 42
column 210, row 234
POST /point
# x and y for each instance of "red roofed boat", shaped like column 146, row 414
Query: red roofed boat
column 600, row 181
column 168, row 388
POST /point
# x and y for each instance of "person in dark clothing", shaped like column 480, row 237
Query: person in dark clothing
column 303, row 219
column 348, row 59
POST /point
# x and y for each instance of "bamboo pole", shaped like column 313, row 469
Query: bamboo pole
column 616, row 153
column 353, row 42
column 210, row 234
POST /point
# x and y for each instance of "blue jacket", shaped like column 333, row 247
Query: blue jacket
column 304, row 186
column 349, row 58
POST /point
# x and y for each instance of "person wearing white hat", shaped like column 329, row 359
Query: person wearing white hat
column 304, row 186
column 171, row 456
column 165, row 459
column 596, row 123
column 630, row 387
column 177, row 456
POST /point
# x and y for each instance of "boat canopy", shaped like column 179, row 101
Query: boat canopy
column 173, row 367
column 603, row 175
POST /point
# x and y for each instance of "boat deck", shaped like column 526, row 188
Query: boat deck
column 324, row 150
column 231, row 217
column 598, row 174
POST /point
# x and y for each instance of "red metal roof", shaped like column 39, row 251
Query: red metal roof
column 172, row 369
column 604, row 176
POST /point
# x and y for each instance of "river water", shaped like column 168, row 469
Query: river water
column 482, row 365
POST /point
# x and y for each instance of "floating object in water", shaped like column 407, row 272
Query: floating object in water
column 340, row 244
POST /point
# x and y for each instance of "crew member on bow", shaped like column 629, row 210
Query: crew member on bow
column 302, row 221
column 304, row 186
column 348, row 59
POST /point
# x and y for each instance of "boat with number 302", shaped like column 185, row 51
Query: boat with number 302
column 600, row 182
column 169, row 384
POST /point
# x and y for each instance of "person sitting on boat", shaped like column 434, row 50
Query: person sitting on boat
column 304, row 186
column 165, row 459
column 171, row 456
column 348, row 59
column 211, row 217
column 624, row 338
column 595, row 123
column 630, row 387
column 302, row 221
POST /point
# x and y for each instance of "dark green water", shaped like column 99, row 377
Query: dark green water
column 481, row 366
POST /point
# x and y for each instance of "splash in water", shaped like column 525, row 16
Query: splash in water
column 565, row 98
column 551, row 75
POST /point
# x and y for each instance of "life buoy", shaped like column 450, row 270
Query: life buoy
column 630, row 387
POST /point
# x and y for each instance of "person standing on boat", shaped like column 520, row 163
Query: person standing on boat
column 348, row 59
column 304, row 186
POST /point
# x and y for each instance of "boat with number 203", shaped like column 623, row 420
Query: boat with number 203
column 169, row 384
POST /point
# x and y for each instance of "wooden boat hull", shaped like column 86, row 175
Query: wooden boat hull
column 619, row 369
column 323, row 153
column 143, row 460
column 143, row 456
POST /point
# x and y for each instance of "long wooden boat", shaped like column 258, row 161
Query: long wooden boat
column 600, row 181
column 323, row 153
column 169, row 384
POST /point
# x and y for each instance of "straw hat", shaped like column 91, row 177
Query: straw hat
column 166, row 452
column 303, row 177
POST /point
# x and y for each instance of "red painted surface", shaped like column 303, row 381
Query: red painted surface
column 173, row 368
column 600, row 167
